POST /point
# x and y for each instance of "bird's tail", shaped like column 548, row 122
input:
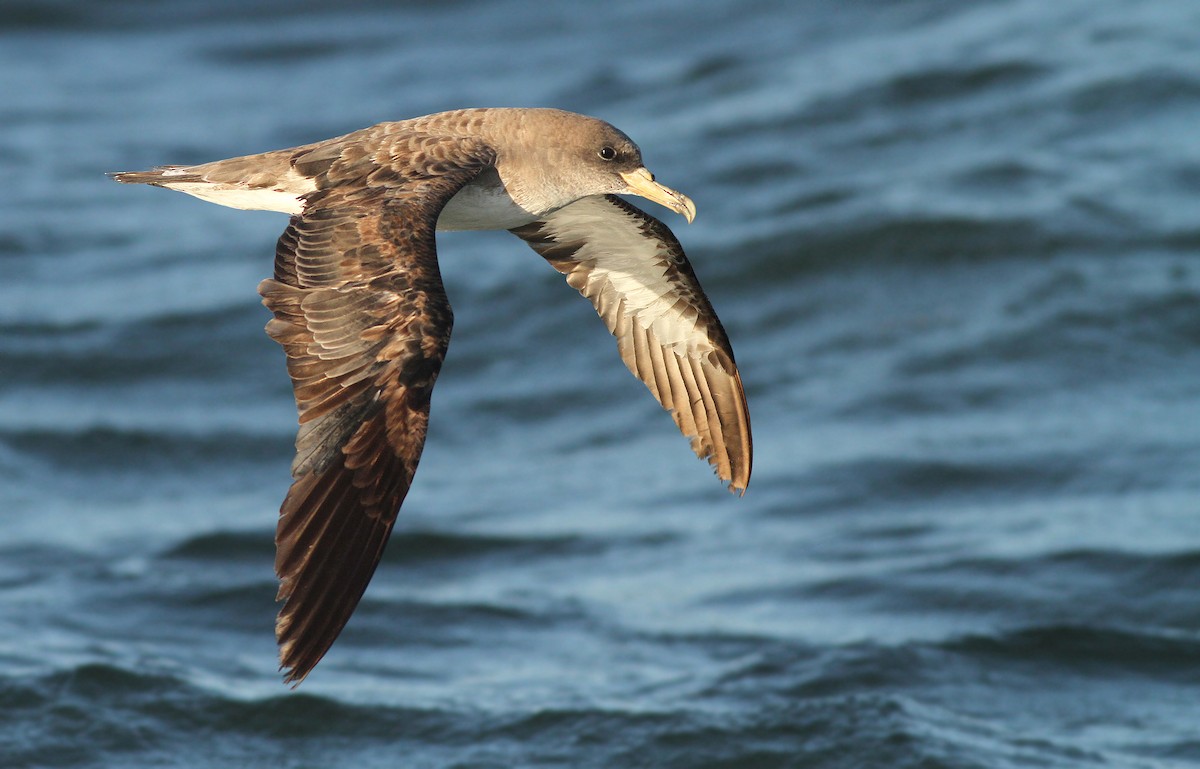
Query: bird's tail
column 159, row 176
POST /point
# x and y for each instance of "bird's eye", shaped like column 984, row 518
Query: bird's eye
column 608, row 153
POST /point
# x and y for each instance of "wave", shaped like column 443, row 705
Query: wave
column 224, row 546
column 900, row 480
column 917, row 242
column 63, row 15
column 164, row 346
column 423, row 547
column 108, row 713
column 1110, row 650
column 104, row 714
column 102, row 449
column 925, row 88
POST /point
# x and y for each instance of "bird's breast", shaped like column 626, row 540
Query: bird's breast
column 484, row 204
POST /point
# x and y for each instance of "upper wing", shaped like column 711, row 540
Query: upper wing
column 635, row 273
column 362, row 316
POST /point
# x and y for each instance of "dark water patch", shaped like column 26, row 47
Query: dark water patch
column 932, row 399
column 860, row 668
column 1008, row 176
column 221, row 342
column 131, row 593
column 225, row 546
column 833, row 733
column 1168, row 320
column 1061, row 652
column 43, row 332
column 388, row 619
column 913, row 94
column 33, row 235
column 68, row 718
column 754, row 666
column 1187, row 752
column 43, row 15
column 1091, row 650
column 903, row 481
column 1102, row 585
column 1051, row 671
column 245, row 600
column 441, row 625
column 814, row 202
column 104, row 449
column 908, row 244
column 11, row 246
column 714, row 65
column 894, row 595
column 1185, row 176
column 1134, row 95
column 420, row 548
column 28, row 566
column 1104, row 213
column 533, row 404
column 917, row 89
column 1088, row 588
column 603, row 84
column 912, row 97
column 289, row 716
column 1183, row 240
column 128, row 15
column 1057, row 286
column 102, row 715
column 287, row 53
column 753, row 172
column 243, row 611
column 170, row 605
column 35, row 118
column 1084, row 340
column 778, row 671
column 715, row 75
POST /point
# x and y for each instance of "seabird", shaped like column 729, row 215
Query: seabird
column 361, row 313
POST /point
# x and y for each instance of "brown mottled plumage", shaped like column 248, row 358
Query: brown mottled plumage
column 362, row 316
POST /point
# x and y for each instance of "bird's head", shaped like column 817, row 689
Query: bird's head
column 580, row 156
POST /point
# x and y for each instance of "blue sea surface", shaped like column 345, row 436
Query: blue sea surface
column 954, row 245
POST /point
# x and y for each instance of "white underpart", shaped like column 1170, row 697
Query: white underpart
column 264, row 199
column 483, row 205
column 284, row 196
column 629, row 263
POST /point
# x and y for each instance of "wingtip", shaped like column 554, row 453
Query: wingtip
column 293, row 670
column 738, row 486
column 745, row 480
column 292, row 678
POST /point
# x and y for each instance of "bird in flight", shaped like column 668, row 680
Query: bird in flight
column 362, row 316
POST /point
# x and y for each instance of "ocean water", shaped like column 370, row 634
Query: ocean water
column 953, row 243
